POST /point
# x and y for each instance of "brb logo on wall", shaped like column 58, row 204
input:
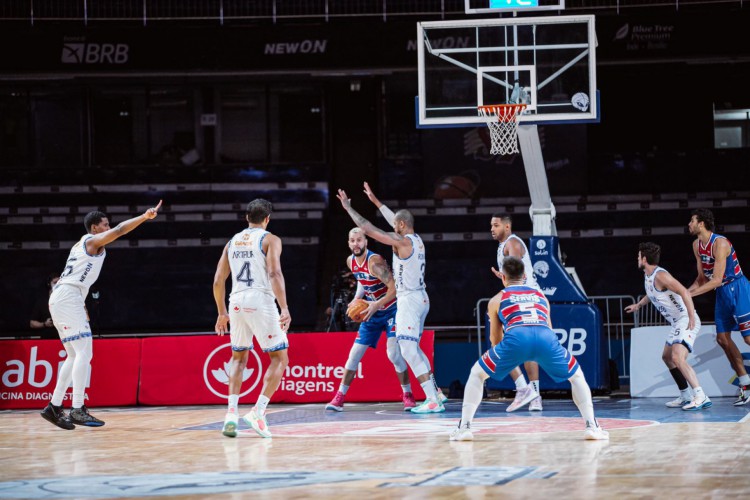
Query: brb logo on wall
column 81, row 52
column 216, row 371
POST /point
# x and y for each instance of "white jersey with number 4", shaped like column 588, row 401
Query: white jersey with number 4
column 669, row 304
column 409, row 272
column 247, row 261
column 527, row 267
column 81, row 269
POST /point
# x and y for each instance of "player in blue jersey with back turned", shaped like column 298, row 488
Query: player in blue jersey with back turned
column 523, row 312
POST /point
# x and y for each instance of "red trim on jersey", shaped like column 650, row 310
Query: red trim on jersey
column 488, row 361
column 572, row 362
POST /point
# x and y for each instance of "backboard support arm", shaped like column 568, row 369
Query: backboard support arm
column 542, row 210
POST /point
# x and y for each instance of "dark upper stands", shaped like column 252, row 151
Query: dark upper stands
column 157, row 278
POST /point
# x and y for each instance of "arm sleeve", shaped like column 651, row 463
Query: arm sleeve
column 360, row 291
column 390, row 217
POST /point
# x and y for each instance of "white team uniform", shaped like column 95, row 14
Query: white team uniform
column 412, row 301
column 67, row 301
column 674, row 310
column 252, row 306
column 530, row 280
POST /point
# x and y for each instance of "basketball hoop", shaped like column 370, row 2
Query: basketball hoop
column 502, row 120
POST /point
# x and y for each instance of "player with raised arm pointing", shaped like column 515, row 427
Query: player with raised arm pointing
column 68, row 310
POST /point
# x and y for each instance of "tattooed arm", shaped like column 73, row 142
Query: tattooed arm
column 379, row 269
column 393, row 239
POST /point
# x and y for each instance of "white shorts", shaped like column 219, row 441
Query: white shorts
column 681, row 335
column 254, row 313
column 68, row 311
column 411, row 312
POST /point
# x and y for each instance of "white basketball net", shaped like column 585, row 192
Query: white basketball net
column 502, row 120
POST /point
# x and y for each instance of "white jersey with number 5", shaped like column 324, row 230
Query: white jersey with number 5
column 81, row 269
column 669, row 303
column 247, row 261
column 409, row 272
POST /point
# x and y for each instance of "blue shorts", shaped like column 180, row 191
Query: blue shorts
column 732, row 310
column 529, row 343
column 369, row 331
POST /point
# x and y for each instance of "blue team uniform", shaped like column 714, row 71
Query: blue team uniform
column 385, row 319
column 732, row 308
column 524, row 311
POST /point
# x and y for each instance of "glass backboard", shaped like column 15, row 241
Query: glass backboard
column 548, row 63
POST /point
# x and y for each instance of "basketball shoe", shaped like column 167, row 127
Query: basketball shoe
column 230, row 424
column 595, row 433
column 698, row 404
column 337, row 403
column 744, row 396
column 429, row 407
column 523, row 396
column 536, row 404
column 441, row 397
column 409, row 402
column 258, row 423
column 56, row 415
column 81, row 416
column 677, row 403
column 462, row 433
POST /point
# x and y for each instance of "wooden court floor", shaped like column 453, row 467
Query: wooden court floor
column 378, row 451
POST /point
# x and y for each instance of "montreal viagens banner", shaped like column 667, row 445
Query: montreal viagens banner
column 185, row 370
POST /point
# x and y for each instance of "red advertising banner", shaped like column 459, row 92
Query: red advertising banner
column 29, row 372
column 193, row 370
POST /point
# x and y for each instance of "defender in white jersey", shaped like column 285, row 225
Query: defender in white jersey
column 411, row 297
column 510, row 245
column 66, row 306
column 253, row 258
column 674, row 303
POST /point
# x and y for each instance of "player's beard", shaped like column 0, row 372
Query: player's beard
column 360, row 253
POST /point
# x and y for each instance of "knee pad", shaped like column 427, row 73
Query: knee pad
column 477, row 371
column 394, row 355
column 355, row 356
column 84, row 349
column 410, row 352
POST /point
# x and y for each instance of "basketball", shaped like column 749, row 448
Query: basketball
column 356, row 309
column 454, row 187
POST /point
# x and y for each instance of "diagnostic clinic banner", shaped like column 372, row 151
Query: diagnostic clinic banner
column 194, row 370
column 29, row 370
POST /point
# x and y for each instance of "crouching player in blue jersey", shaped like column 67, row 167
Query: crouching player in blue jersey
column 524, row 313
column 374, row 283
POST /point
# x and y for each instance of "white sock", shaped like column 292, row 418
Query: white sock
column 582, row 397
column 81, row 364
column 698, row 391
column 64, row 378
column 406, row 388
column 520, row 382
column 261, row 404
column 343, row 388
column 429, row 389
column 745, row 379
column 535, row 385
column 685, row 394
column 472, row 395
column 437, row 389
column 234, row 400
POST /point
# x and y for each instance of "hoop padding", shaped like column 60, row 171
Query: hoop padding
column 502, row 120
